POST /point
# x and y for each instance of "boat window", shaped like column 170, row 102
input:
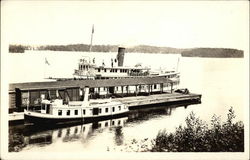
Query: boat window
column 113, row 109
column 68, row 132
column 59, row 112
column 83, row 111
column 48, row 108
column 119, row 122
column 113, row 122
column 68, row 112
column 100, row 110
column 106, row 110
column 76, row 112
column 106, row 124
column 99, row 125
column 155, row 86
column 99, row 70
column 76, row 130
column 43, row 106
column 59, row 134
column 119, row 108
column 105, row 70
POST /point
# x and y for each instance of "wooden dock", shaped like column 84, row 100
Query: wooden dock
column 159, row 99
column 140, row 101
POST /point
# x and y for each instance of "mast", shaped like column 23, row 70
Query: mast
column 177, row 68
column 92, row 33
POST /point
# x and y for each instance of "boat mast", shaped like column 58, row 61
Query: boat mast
column 177, row 67
column 92, row 33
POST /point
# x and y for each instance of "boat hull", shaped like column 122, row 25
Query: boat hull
column 30, row 119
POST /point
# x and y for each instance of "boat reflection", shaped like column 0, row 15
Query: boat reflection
column 118, row 138
column 79, row 132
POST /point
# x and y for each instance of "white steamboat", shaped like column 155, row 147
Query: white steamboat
column 87, row 69
column 55, row 112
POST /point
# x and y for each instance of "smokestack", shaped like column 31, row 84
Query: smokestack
column 120, row 56
column 86, row 96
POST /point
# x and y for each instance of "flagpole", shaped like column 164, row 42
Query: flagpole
column 44, row 68
column 45, row 63
column 177, row 68
column 92, row 33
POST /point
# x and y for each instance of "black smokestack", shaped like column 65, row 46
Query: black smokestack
column 120, row 56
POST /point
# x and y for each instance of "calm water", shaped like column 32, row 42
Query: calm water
column 221, row 82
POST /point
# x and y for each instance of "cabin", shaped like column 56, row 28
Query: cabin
column 87, row 70
column 22, row 95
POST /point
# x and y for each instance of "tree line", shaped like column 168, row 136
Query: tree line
column 193, row 52
column 213, row 52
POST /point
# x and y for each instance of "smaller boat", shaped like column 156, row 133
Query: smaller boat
column 56, row 112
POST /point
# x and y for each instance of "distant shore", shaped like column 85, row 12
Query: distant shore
column 190, row 52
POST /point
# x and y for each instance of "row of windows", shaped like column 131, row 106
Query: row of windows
column 84, row 112
column 113, row 70
column 170, row 76
column 99, row 70
column 68, row 112
column 123, row 70
column 83, row 67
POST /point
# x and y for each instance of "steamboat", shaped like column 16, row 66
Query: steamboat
column 56, row 112
column 87, row 69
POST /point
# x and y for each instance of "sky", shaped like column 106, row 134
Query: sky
column 177, row 24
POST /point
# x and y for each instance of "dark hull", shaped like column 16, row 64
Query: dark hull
column 52, row 121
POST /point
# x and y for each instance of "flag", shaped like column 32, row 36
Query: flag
column 46, row 61
column 93, row 29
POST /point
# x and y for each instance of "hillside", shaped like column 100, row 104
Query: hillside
column 193, row 52
column 213, row 52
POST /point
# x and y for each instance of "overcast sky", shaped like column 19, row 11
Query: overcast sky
column 164, row 23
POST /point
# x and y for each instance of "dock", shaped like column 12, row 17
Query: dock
column 163, row 98
column 140, row 101
column 133, row 92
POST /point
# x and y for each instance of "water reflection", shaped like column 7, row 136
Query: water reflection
column 72, row 133
column 151, row 112
column 118, row 136
column 22, row 136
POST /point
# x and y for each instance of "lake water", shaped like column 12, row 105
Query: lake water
column 221, row 81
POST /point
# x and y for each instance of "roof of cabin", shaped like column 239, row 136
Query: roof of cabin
column 122, row 67
column 90, row 83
